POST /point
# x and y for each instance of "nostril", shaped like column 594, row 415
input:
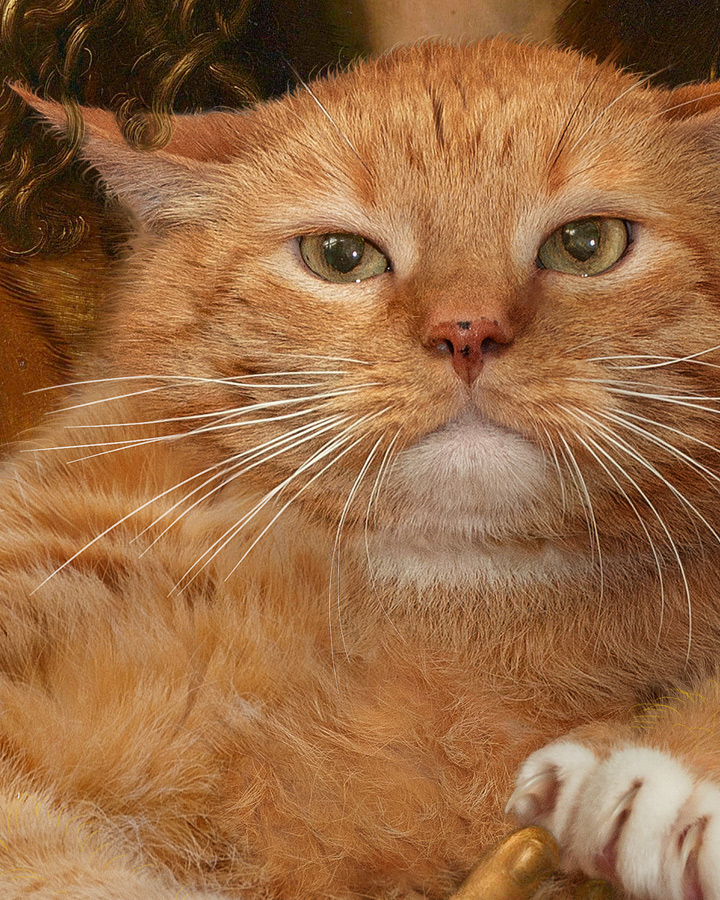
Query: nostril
column 489, row 345
column 444, row 347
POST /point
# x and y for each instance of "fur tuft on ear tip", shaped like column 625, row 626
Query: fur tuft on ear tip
column 159, row 188
column 68, row 117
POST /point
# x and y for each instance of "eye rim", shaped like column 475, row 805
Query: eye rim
column 628, row 231
column 350, row 277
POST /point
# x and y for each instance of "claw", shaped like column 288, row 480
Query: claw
column 534, row 797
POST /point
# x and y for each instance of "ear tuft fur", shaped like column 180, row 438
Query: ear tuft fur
column 161, row 187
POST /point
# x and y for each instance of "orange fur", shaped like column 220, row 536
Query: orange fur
column 334, row 704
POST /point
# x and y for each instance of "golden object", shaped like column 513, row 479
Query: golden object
column 514, row 869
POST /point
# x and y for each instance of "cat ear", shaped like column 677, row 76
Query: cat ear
column 694, row 101
column 161, row 187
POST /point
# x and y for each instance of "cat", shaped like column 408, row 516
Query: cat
column 388, row 499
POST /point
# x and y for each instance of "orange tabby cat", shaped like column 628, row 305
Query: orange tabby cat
column 398, row 461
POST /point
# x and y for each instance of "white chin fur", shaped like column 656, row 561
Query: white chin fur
column 469, row 478
column 469, row 500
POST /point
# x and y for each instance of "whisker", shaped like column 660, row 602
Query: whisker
column 640, row 83
column 684, row 434
column 349, row 359
column 217, row 547
column 595, row 340
column 656, row 115
column 664, row 360
column 327, row 115
column 127, row 517
column 181, row 380
column 646, row 530
column 683, row 400
column 558, row 147
column 674, row 451
column 207, row 381
column 303, row 434
column 336, row 552
column 587, row 502
column 556, row 461
column 382, row 472
column 625, row 448
column 612, row 435
column 314, row 478
column 221, row 425
column 633, row 383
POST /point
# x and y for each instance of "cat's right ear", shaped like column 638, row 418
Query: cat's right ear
column 161, row 187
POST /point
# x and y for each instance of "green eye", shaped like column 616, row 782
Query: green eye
column 342, row 258
column 585, row 246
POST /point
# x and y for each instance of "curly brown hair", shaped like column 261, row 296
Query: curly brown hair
column 141, row 59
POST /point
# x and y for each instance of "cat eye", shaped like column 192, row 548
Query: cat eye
column 585, row 246
column 342, row 258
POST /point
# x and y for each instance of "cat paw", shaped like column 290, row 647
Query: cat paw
column 637, row 818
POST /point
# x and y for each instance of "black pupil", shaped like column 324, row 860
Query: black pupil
column 343, row 252
column 581, row 239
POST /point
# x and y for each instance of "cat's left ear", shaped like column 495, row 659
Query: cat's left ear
column 698, row 102
column 162, row 187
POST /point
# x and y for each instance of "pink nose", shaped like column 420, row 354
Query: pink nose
column 468, row 342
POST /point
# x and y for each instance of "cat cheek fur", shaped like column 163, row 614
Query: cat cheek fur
column 318, row 586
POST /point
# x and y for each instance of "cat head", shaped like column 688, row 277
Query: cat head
column 468, row 297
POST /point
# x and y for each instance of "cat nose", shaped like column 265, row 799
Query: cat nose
column 468, row 342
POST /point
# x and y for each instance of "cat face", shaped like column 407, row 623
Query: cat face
column 466, row 296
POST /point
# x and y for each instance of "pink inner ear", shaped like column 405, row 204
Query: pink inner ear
column 693, row 100
column 206, row 137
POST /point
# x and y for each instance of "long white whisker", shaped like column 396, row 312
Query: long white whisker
column 591, row 520
column 129, row 515
column 612, row 435
column 336, row 551
column 664, row 360
column 221, row 425
column 295, row 496
column 618, row 381
column 632, row 506
column 119, row 522
column 207, row 381
column 286, row 442
column 561, row 478
column 621, row 445
column 182, row 380
column 708, row 474
column 314, row 478
column 235, row 529
column 383, row 469
column 663, row 398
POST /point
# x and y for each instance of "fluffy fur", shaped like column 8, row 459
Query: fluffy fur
column 285, row 601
